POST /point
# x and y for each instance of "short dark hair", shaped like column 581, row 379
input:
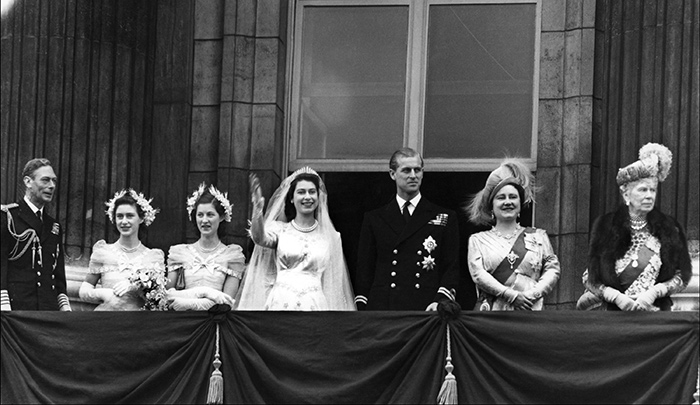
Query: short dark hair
column 208, row 198
column 289, row 211
column 403, row 153
column 33, row 165
column 128, row 199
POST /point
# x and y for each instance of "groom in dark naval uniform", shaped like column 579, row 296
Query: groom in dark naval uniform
column 32, row 274
column 408, row 249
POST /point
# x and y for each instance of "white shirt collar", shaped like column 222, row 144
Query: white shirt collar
column 32, row 206
column 414, row 203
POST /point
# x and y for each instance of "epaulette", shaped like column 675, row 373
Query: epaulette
column 5, row 208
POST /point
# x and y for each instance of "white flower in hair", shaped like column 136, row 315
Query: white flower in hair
column 149, row 213
column 110, row 204
column 192, row 200
column 221, row 197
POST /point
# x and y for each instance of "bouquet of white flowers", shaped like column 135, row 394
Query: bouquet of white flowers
column 151, row 283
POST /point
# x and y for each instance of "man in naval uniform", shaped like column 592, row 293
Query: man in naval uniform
column 32, row 274
column 408, row 249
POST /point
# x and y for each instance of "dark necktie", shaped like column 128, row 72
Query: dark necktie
column 406, row 212
column 38, row 215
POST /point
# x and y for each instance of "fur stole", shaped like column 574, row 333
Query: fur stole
column 611, row 236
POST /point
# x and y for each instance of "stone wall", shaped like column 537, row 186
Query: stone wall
column 564, row 138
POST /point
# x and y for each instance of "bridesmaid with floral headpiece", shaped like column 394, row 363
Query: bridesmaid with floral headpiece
column 132, row 275
column 205, row 272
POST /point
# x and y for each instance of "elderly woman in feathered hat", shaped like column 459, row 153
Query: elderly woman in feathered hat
column 513, row 267
column 638, row 256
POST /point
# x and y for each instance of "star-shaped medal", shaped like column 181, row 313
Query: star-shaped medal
column 428, row 262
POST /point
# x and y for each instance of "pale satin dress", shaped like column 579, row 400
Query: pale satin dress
column 210, row 271
column 114, row 265
column 301, row 261
column 539, row 268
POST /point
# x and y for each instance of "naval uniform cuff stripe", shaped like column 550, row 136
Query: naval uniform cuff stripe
column 63, row 300
column 446, row 292
column 361, row 298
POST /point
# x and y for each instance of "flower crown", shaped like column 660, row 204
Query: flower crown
column 221, row 197
column 149, row 213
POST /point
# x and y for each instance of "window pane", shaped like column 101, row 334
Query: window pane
column 479, row 81
column 353, row 81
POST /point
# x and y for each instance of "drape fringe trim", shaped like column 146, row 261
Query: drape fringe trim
column 448, row 391
column 216, row 381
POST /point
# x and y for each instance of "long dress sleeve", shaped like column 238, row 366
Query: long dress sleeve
column 550, row 266
column 481, row 276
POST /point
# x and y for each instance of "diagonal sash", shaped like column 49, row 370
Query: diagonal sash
column 505, row 268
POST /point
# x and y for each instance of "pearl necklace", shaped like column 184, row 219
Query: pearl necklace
column 129, row 250
column 637, row 223
column 204, row 250
column 506, row 236
column 305, row 230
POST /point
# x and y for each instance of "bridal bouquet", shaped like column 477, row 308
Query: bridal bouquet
column 151, row 283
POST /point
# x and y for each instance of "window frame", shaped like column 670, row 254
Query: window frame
column 416, row 73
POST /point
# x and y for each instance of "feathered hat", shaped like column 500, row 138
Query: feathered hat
column 654, row 162
column 511, row 172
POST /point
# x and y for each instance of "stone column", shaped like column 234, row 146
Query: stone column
column 564, row 138
column 252, row 101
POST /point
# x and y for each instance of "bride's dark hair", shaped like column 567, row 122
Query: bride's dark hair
column 289, row 211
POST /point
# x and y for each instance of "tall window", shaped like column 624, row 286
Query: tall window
column 455, row 80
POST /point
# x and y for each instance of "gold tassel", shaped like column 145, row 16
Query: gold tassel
column 448, row 391
column 216, row 381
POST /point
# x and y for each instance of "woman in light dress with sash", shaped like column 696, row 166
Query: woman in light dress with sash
column 513, row 267
column 113, row 263
column 206, row 272
column 298, row 262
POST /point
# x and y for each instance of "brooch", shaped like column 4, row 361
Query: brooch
column 440, row 219
column 512, row 257
column 428, row 262
column 429, row 244
column 56, row 228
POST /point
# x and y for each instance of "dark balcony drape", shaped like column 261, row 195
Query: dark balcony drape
column 331, row 357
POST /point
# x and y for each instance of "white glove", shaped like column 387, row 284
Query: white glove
column 123, row 287
column 89, row 293
column 622, row 301
column 219, row 297
column 645, row 300
column 587, row 301
column 191, row 304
